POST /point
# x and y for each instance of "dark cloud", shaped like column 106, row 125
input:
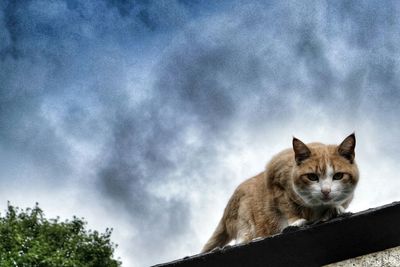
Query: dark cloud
column 161, row 88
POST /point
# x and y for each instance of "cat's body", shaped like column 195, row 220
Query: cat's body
column 307, row 183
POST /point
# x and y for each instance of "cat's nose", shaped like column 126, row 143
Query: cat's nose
column 325, row 191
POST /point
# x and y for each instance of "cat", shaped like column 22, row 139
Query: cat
column 306, row 183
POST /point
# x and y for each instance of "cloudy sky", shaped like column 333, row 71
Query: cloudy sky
column 144, row 116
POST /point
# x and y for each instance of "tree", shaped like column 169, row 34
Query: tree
column 27, row 238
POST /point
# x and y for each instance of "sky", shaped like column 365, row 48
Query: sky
column 144, row 116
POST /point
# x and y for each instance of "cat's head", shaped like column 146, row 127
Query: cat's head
column 325, row 175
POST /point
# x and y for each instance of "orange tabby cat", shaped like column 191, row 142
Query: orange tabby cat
column 307, row 183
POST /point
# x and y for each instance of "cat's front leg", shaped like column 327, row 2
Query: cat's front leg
column 332, row 213
column 339, row 210
column 294, row 224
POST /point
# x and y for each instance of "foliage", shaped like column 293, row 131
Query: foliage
column 27, row 238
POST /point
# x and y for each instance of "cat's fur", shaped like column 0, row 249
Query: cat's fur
column 285, row 193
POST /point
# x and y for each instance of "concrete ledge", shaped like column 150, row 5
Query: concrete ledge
column 386, row 258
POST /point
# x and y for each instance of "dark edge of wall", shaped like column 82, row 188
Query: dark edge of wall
column 338, row 239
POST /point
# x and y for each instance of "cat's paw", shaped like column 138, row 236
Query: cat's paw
column 289, row 229
column 294, row 226
column 339, row 210
column 215, row 249
column 345, row 214
column 299, row 223
column 226, row 247
column 257, row 239
column 332, row 213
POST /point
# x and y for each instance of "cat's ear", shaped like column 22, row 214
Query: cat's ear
column 346, row 148
column 301, row 151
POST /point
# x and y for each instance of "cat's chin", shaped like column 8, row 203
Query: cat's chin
column 328, row 204
column 326, row 199
column 323, row 203
column 333, row 201
column 313, row 202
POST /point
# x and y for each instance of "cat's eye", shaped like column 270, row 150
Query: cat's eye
column 338, row 176
column 312, row 176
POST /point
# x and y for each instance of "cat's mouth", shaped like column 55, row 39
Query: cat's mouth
column 326, row 198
